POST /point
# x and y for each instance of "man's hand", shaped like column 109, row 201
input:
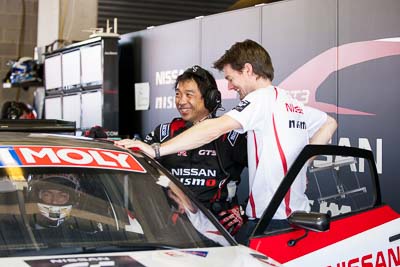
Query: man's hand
column 231, row 219
column 129, row 143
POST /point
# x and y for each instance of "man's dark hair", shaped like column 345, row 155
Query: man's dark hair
column 250, row 52
column 203, row 78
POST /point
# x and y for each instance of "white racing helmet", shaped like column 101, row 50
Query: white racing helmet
column 55, row 195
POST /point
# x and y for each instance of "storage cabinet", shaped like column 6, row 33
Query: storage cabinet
column 81, row 84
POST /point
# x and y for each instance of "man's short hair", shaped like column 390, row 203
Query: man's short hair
column 244, row 52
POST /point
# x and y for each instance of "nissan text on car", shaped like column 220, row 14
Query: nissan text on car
column 67, row 201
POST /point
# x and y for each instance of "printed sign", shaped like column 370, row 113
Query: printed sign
column 142, row 96
column 58, row 156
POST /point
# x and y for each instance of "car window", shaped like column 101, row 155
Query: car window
column 340, row 185
column 87, row 210
column 334, row 184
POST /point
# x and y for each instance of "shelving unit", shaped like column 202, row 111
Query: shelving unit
column 81, row 84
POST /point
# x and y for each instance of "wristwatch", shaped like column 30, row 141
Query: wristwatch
column 156, row 147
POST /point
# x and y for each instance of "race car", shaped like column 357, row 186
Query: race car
column 68, row 201
column 345, row 224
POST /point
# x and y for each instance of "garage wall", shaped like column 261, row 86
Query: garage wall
column 369, row 82
column 341, row 56
column 18, row 28
column 140, row 14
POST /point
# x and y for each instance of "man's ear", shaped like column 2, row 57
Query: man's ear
column 248, row 68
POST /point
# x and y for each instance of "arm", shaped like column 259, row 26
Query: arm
column 325, row 133
column 152, row 137
column 198, row 135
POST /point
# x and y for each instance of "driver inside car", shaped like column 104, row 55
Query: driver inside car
column 57, row 196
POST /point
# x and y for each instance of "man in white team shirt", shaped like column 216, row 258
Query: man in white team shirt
column 278, row 127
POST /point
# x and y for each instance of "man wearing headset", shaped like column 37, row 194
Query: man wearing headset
column 213, row 170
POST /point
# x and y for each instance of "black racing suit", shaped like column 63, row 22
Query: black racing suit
column 199, row 169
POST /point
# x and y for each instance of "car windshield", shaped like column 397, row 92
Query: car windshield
column 64, row 210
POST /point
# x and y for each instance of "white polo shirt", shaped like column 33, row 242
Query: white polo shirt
column 278, row 127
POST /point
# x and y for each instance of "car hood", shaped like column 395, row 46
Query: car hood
column 236, row 256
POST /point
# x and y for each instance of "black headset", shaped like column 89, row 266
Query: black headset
column 212, row 97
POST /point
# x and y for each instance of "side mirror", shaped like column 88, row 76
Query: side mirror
column 313, row 221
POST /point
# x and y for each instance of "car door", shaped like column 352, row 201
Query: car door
column 346, row 225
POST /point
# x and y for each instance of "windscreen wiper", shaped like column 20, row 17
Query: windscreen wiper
column 117, row 247
column 63, row 249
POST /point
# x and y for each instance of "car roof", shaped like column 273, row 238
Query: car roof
column 24, row 139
